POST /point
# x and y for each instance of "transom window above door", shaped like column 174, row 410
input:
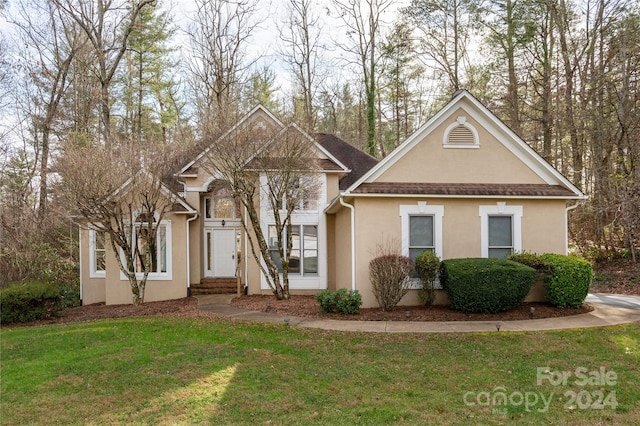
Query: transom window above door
column 220, row 205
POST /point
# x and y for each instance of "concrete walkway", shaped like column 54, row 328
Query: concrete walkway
column 608, row 310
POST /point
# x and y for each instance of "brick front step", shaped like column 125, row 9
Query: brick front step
column 215, row 286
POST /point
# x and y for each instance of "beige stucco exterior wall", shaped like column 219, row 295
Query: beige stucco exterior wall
column 378, row 221
column 429, row 161
column 195, row 239
column 118, row 290
column 253, row 269
column 93, row 289
column 333, row 186
column 342, row 250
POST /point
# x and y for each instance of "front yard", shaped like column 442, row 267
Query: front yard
column 177, row 370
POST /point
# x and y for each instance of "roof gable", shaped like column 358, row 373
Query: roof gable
column 179, row 204
column 485, row 152
column 260, row 119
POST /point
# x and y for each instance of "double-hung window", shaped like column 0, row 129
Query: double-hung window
column 500, row 236
column 421, row 235
column 501, row 229
column 151, row 251
column 152, row 246
column 97, row 254
column 421, row 228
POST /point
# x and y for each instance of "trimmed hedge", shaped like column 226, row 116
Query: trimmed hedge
column 342, row 301
column 533, row 260
column 568, row 283
column 30, row 301
column 485, row 285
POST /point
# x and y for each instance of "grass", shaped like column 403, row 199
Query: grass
column 160, row 370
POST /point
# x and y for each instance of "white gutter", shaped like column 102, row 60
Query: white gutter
column 195, row 216
column 566, row 225
column 353, row 242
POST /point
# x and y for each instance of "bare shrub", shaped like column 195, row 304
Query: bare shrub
column 390, row 274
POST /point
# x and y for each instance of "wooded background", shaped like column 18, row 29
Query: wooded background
column 123, row 74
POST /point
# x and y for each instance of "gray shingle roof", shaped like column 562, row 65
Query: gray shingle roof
column 356, row 160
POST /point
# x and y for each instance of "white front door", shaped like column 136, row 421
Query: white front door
column 220, row 252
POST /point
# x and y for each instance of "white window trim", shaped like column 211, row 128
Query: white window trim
column 93, row 273
column 300, row 227
column 155, row 276
column 299, row 217
column 461, row 121
column 422, row 208
column 496, row 210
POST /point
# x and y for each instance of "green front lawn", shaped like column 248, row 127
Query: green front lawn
column 162, row 370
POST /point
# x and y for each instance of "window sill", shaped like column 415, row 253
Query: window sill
column 461, row 146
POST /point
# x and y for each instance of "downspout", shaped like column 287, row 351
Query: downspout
column 195, row 216
column 353, row 242
column 245, row 254
column 566, row 225
column 80, row 259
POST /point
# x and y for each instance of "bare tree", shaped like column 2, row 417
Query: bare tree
column 511, row 25
column 120, row 193
column 571, row 55
column 363, row 21
column 445, row 27
column 5, row 77
column 107, row 24
column 53, row 42
column 275, row 168
column 300, row 35
column 399, row 72
column 219, row 42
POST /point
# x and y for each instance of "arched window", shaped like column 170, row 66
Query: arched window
column 220, row 204
column 461, row 134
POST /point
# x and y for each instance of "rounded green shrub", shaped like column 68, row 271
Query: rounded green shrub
column 568, row 282
column 29, row 301
column 485, row 285
column 427, row 265
column 342, row 301
column 531, row 259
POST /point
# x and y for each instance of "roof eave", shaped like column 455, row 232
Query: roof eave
column 467, row 196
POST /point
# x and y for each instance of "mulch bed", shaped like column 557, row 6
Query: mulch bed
column 306, row 306
column 185, row 307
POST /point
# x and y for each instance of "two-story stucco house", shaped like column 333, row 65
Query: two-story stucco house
column 463, row 185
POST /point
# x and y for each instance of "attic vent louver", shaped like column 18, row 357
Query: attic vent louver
column 461, row 134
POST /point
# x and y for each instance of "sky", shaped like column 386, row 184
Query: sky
column 266, row 41
column 263, row 46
